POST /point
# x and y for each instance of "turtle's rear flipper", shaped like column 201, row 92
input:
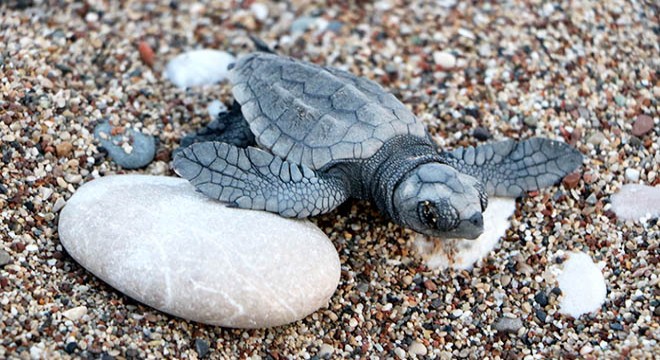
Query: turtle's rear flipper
column 254, row 179
column 510, row 168
column 228, row 127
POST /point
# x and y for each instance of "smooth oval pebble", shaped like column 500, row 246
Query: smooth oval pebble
column 198, row 67
column 157, row 240
column 143, row 147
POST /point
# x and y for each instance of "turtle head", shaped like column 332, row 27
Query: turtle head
column 436, row 200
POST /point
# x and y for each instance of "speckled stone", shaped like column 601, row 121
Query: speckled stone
column 158, row 241
column 131, row 149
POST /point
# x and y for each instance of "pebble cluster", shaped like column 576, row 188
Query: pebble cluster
column 583, row 71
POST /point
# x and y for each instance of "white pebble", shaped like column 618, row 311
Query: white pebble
column 260, row 11
column 215, row 108
column 444, row 59
column 582, row 285
column 636, row 201
column 75, row 313
column 417, row 348
column 198, row 67
column 632, row 175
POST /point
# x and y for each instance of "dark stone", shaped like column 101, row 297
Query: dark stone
column 131, row 353
column 144, row 146
column 473, row 111
column 70, row 347
column 541, row 299
column 541, row 315
column 202, row 347
column 616, row 326
column 481, row 133
column 556, row 291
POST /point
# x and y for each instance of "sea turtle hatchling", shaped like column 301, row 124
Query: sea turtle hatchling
column 302, row 138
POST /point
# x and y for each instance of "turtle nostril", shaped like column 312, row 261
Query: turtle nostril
column 477, row 220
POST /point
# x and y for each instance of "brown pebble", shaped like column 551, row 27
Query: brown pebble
column 146, row 53
column 571, row 180
column 642, row 125
column 430, row 285
column 63, row 149
column 589, row 178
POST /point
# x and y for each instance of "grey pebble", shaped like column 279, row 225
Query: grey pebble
column 144, row 146
column 620, row 100
column 531, row 121
column 335, row 26
column 481, row 133
column 202, row 347
column 303, row 23
column 505, row 324
column 5, row 258
column 592, row 199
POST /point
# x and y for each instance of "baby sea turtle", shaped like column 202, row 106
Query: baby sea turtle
column 302, row 138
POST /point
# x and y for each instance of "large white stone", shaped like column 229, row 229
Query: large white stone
column 158, row 241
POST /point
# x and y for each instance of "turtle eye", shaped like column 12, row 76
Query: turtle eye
column 483, row 196
column 427, row 213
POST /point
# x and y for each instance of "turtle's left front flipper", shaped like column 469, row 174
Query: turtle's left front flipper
column 511, row 168
column 254, row 179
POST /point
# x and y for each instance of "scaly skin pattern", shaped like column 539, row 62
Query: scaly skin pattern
column 511, row 168
column 251, row 178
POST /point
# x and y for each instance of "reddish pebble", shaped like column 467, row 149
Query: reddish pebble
column 571, row 180
column 589, row 178
column 430, row 285
column 642, row 125
column 146, row 53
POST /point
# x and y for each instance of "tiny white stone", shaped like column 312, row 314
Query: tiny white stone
column 417, row 348
column 400, row 353
column 582, row 285
column 198, row 67
column 205, row 262
column 444, row 59
column 75, row 313
column 632, row 175
column 326, row 350
column 636, row 201
column 32, row 248
column 463, row 254
column 260, row 11
column 215, row 107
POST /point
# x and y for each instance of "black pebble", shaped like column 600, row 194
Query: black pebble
column 481, row 133
column 541, row 315
column 202, row 347
column 556, row 291
column 616, row 326
column 70, row 347
column 472, row 111
column 541, row 298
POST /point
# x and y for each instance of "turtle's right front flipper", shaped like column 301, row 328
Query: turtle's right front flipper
column 510, row 168
column 254, row 179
